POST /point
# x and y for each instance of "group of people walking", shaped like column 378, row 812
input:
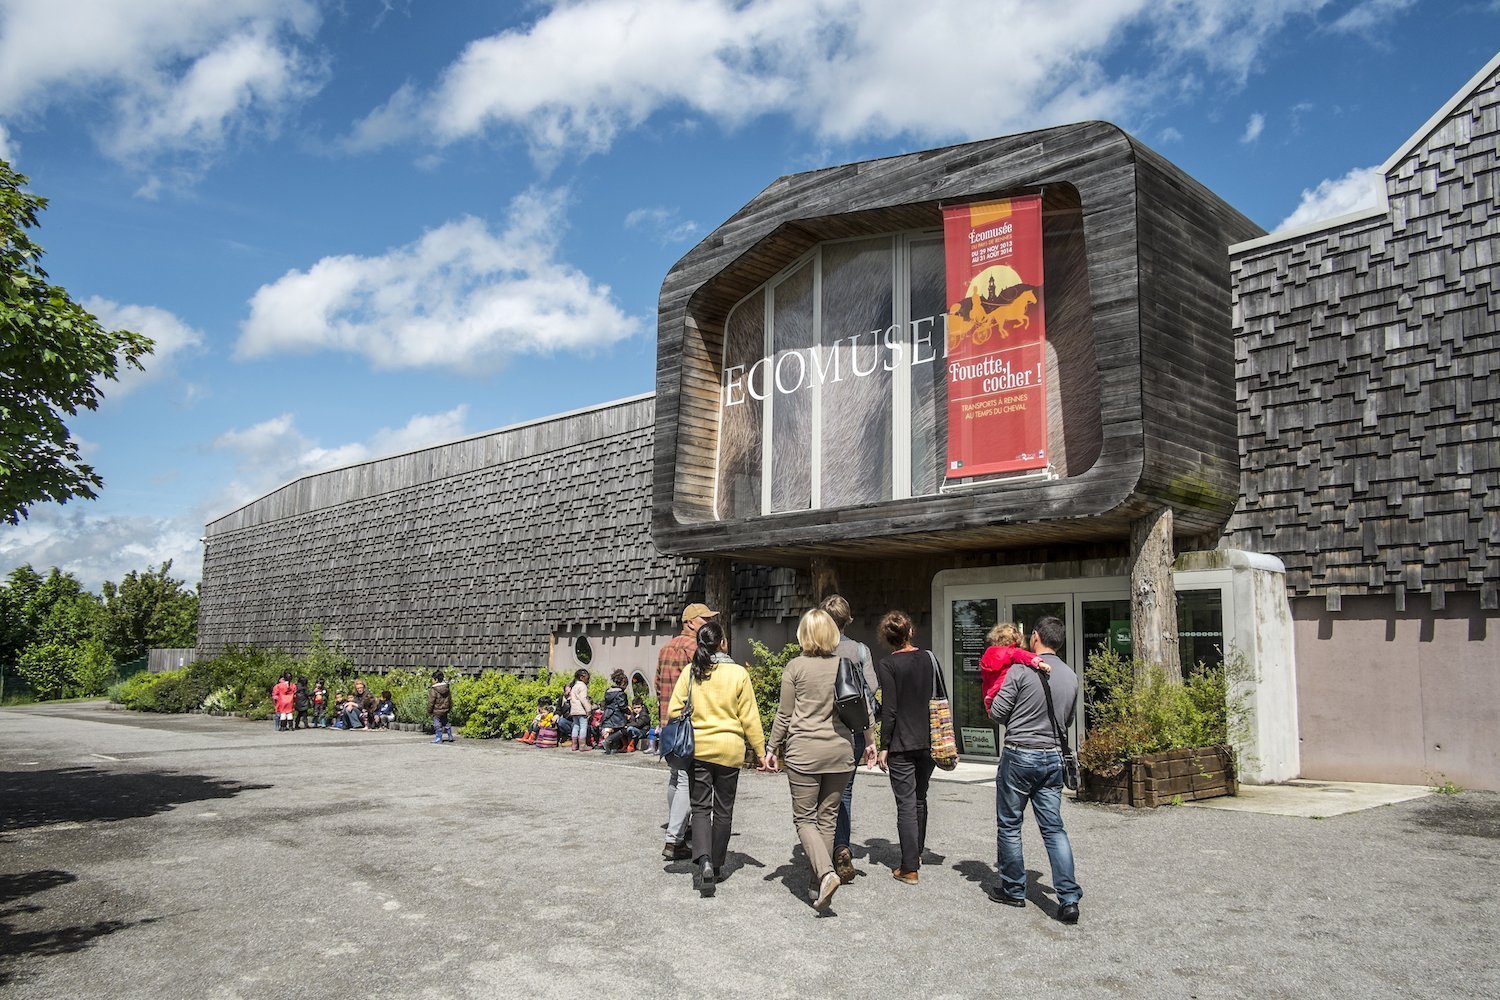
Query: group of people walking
column 813, row 743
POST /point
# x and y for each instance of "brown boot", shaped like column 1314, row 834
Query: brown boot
column 901, row 875
column 843, row 864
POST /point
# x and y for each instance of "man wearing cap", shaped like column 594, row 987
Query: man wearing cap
column 670, row 663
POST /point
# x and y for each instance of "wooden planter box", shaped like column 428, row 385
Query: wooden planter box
column 1157, row 779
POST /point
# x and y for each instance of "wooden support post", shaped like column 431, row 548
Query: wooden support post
column 718, row 585
column 825, row 578
column 1153, row 598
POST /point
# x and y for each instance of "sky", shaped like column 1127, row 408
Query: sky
column 358, row 227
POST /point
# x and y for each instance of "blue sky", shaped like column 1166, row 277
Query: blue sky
column 363, row 226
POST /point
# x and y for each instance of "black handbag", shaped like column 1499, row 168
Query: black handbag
column 1069, row 760
column 677, row 735
column 850, row 700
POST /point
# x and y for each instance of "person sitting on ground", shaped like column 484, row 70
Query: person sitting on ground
column 366, row 699
column 385, row 711
column 543, row 717
column 349, row 713
column 1004, row 652
column 594, row 728
column 637, row 725
column 614, row 708
column 561, row 715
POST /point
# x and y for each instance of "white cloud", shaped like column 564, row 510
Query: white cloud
column 662, row 223
column 1370, row 14
column 1170, row 134
column 172, row 336
column 95, row 547
column 584, row 71
column 169, row 76
column 9, row 148
column 1359, row 188
column 274, row 452
column 460, row 297
column 1253, row 128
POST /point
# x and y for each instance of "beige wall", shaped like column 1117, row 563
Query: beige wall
column 1399, row 696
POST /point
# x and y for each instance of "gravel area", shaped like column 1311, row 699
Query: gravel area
column 187, row 856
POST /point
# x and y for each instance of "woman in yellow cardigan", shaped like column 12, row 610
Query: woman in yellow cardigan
column 725, row 719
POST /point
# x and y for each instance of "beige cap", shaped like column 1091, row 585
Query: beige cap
column 698, row 611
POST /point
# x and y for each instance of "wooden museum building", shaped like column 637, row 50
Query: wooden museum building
column 1047, row 373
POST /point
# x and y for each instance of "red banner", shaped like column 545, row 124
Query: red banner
column 997, row 357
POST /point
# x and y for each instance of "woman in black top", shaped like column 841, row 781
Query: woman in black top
column 906, row 736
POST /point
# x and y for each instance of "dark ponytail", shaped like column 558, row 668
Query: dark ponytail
column 710, row 637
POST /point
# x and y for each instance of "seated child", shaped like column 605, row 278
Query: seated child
column 1003, row 653
column 385, row 711
column 350, row 713
column 543, row 716
column 637, row 725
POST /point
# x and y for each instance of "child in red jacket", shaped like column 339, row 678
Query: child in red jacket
column 1004, row 652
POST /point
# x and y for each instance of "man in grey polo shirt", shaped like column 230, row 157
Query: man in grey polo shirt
column 1031, row 771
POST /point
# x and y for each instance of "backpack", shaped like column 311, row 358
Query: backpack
column 851, row 699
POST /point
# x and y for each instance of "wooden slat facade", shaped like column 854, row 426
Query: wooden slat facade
column 1159, row 423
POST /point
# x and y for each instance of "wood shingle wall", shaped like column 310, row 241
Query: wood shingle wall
column 466, row 555
column 1369, row 382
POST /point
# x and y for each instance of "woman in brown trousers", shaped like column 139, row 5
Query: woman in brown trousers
column 815, row 747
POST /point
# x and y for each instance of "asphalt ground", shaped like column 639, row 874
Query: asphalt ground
column 186, row 856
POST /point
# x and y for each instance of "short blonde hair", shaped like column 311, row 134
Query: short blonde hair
column 1005, row 634
column 817, row 633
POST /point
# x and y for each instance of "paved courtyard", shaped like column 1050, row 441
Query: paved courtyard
column 198, row 857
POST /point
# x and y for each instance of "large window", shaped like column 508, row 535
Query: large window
column 833, row 371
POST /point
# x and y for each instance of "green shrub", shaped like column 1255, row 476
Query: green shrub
column 1137, row 710
column 765, row 678
column 507, row 706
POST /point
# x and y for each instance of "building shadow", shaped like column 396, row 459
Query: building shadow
column 86, row 794
column 16, row 892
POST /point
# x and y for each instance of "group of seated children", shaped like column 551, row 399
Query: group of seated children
column 298, row 705
column 552, row 727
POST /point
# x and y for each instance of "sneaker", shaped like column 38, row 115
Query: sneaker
column 826, row 889
column 843, row 864
column 902, row 875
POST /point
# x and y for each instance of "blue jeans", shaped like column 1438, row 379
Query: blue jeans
column 841, row 827
column 1033, row 776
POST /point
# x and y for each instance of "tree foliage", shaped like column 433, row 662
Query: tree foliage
column 49, row 634
column 54, row 355
column 149, row 610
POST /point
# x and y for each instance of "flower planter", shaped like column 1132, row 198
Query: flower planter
column 1158, row 779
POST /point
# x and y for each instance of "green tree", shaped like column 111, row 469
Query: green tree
column 49, row 626
column 54, row 355
column 149, row 610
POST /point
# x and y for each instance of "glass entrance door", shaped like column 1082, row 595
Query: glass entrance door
column 972, row 619
column 1094, row 612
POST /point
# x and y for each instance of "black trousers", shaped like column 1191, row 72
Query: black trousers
column 711, row 789
column 911, row 771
